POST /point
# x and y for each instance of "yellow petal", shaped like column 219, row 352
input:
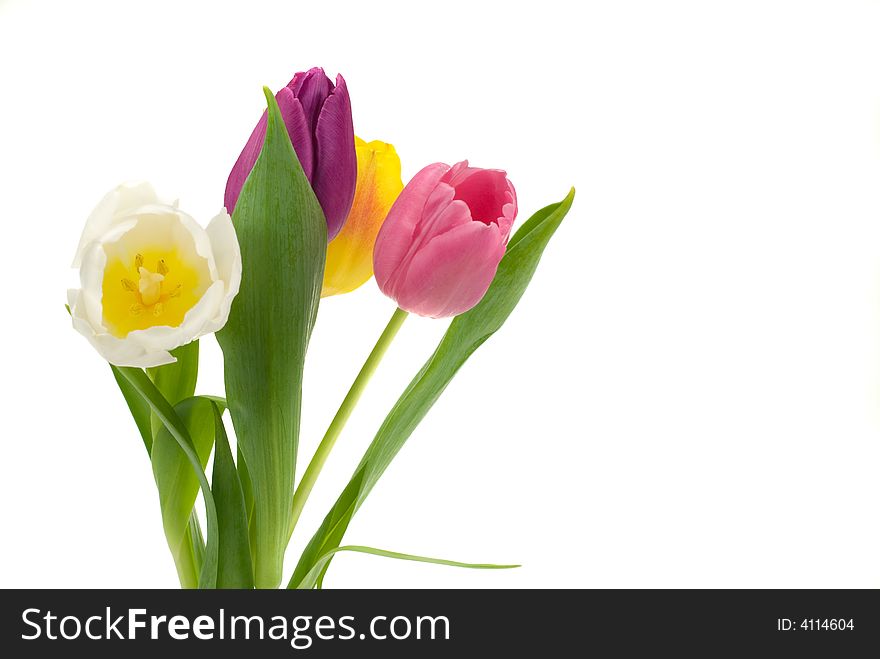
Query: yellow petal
column 167, row 297
column 350, row 254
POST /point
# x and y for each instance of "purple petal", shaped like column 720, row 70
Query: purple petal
column 312, row 88
column 300, row 136
column 297, row 130
column 335, row 173
column 244, row 164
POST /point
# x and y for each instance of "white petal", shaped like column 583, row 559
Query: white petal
column 227, row 255
column 120, row 352
column 151, row 360
column 91, row 277
column 116, row 204
column 72, row 294
column 201, row 240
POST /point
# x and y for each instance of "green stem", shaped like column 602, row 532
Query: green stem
column 342, row 415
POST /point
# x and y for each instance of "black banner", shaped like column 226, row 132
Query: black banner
column 438, row 623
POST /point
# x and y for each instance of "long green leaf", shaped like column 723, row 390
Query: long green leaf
column 196, row 545
column 159, row 406
column 234, row 568
column 176, row 381
column 466, row 333
column 313, row 578
column 247, row 489
column 139, row 408
column 178, row 484
column 283, row 238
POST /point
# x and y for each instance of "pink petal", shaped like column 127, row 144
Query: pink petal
column 395, row 236
column 505, row 222
column 485, row 191
column 441, row 214
column 452, row 272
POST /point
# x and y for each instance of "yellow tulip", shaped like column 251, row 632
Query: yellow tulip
column 350, row 254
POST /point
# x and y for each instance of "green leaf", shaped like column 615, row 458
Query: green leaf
column 313, row 578
column 466, row 333
column 283, row 238
column 178, row 484
column 196, row 545
column 177, row 380
column 234, row 567
column 139, row 408
column 248, row 491
column 159, row 406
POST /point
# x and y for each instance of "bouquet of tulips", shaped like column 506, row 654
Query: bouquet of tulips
column 315, row 211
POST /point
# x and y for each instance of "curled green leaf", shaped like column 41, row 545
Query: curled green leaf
column 170, row 420
column 314, row 577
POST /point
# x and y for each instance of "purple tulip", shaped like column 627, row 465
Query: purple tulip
column 318, row 119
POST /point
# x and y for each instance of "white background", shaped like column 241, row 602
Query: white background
column 687, row 395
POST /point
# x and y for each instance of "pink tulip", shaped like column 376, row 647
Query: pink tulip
column 439, row 247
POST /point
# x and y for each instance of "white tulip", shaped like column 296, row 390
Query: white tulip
column 151, row 277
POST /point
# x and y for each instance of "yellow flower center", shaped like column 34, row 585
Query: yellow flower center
column 155, row 288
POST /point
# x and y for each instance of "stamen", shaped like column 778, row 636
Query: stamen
column 129, row 285
column 161, row 268
column 158, row 308
column 138, row 261
column 136, row 309
column 176, row 291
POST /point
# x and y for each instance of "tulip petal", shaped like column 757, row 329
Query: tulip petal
column 488, row 193
column 227, row 255
column 300, row 136
column 442, row 213
column 311, row 88
column 485, row 191
column 91, row 275
column 116, row 204
column 456, row 267
column 335, row 178
column 458, row 171
column 395, row 236
column 297, row 129
column 119, row 352
column 509, row 210
column 244, row 164
column 350, row 255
